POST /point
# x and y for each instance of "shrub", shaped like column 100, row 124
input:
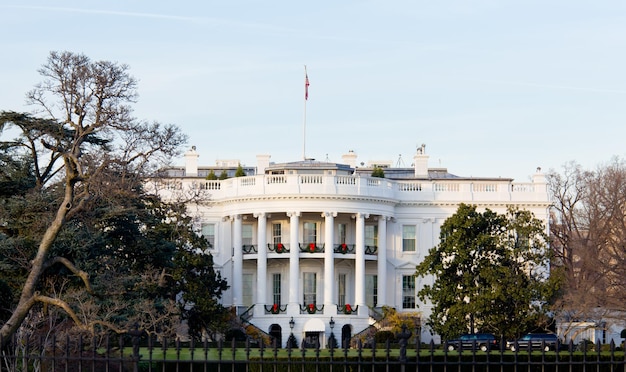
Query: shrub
column 235, row 334
column 292, row 342
column 381, row 337
column 378, row 172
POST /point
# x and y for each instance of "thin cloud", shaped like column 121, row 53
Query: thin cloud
column 109, row 12
column 563, row 87
column 215, row 21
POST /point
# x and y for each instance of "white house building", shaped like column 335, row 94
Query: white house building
column 307, row 242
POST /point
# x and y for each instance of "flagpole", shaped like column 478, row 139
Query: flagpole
column 306, row 96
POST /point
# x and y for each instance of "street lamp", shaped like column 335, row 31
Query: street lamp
column 332, row 342
column 292, row 323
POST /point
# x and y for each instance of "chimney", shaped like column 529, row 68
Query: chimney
column 262, row 161
column 539, row 177
column 349, row 159
column 420, row 162
column 191, row 162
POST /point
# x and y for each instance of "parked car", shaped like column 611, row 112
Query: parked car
column 536, row 341
column 474, row 341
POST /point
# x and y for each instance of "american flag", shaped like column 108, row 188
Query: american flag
column 306, row 86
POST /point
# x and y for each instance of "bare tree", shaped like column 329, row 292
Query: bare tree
column 86, row 136
column 588, row 231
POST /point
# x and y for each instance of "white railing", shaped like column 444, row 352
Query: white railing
column 485, row 187
column 345, row 180
column 409, row 186
column 308, row 178
column 402, row 190
column 446, row 187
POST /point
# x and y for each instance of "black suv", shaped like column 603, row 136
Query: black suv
column 545, row 341
column 474, row 341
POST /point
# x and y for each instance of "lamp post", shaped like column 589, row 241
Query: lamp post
column 331, row 340
column 291, row 341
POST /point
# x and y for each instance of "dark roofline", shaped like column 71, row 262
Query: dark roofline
column 309, row 164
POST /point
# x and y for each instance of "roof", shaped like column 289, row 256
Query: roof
column 308, row 165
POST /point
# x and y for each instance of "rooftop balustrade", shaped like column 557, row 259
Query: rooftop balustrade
column 402, row 190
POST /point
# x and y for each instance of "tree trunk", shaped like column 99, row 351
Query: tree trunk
column 28, row 297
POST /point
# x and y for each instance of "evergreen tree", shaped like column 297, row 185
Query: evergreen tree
column 490, row 274
column 83, row 245
column 239, row 172
column 211, row 176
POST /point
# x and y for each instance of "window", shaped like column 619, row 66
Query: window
column 341, row 231
column 208, row 231
column 371, row 235
column 276, row 288
column 310, row 288
column 246, row 234
column 248, row 290
column 310, row 232
column 408, row 238
column 277, row 233
column 371, row 290
column 408, row 292
column 341, row 290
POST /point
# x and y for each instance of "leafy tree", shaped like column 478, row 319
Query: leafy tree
column 490, row 273
column 200, row 288
column 81, row 238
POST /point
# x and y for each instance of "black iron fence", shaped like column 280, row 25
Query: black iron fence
column 135, row 353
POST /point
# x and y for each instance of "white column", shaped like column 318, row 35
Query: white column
column 329, row 263
column 237, row 280
column 294, row 263
column 261, row 267
column 359, row 264
column 382, row 261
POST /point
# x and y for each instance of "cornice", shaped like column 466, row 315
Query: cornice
column 384, row 201
column 279, row 198
column 485, row 204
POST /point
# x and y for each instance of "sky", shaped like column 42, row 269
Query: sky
column 493, row 88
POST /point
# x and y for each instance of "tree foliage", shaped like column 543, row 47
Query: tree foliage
column 240, row 172
column 211, row 176
column 490, row 273
column 378, row 172
column 83, row 245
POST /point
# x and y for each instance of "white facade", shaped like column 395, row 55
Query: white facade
column 329, row 235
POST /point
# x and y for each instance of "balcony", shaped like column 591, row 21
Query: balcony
column 278, row 248
column 311, row 309
column 347, row 309
column 312, row 248
column 275, row 309
column 281, row 248
column 344, row 248
column 249, row 249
